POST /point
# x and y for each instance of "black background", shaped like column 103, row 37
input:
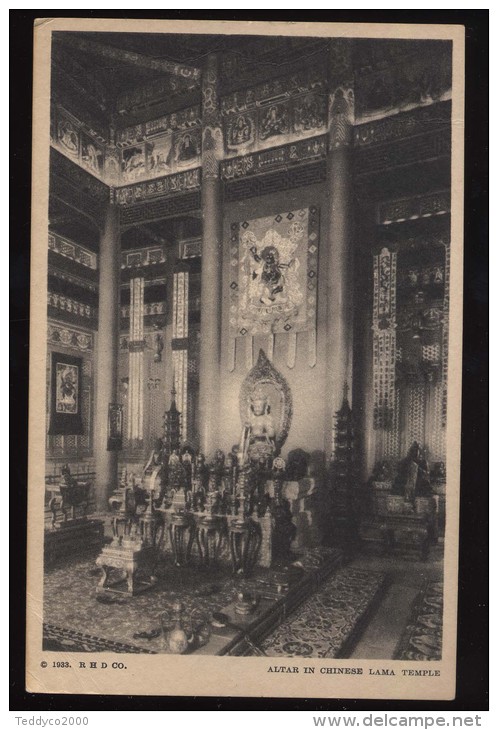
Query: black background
column 472, row 648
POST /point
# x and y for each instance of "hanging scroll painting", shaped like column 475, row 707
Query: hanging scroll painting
column 274, row 267
column 65, row 397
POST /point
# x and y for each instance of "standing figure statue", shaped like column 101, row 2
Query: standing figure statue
column 413, row 479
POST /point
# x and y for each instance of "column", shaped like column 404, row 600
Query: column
column 363, row 406
column 339, row 226
column 212, row 253
column 106, row 365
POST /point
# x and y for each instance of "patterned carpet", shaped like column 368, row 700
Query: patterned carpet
column 330, row 622
column 56, row 638
column 72, row 613
column 422, row 638
column 75, row 620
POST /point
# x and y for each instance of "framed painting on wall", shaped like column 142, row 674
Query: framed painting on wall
column 65, row 395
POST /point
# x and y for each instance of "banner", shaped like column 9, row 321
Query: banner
column 274, row 261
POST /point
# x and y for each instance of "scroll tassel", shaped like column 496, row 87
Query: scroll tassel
column 231, row 354
column 248, row 340
column 312, row 347
column 291, row 350
column 271, row 342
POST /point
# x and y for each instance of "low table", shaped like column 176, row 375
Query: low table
column 134, row 564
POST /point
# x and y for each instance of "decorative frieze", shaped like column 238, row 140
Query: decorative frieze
column 423, row 206
column 258, row 162
column 279, row 110
column 72, row 138
column 160, row 208
column 177, row 121
column 149, row 150
column 169, row 185
column 69, row 249
column 285, row 178
column 279, row 122
column 406, row 124
column 301, row 82
column 75, row 280
column 150, row 308
column 163, row 154
column 66, row 304
column 376, row 158
column 69, row 337
column 138, row 258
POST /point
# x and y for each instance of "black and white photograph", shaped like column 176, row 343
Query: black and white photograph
column 246, row 303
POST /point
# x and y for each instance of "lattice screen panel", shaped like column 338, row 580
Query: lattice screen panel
column 437, row 437
column 416, row 415
column 70, row 445
column 431, row 353
column 392, row 437
column 180, row 360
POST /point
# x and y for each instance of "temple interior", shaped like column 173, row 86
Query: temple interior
column 247, row 345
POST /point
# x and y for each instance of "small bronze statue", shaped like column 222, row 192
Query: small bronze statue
column 413, row 478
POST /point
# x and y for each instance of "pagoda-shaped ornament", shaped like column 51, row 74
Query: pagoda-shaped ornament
column 172, row 425
column 343, row 439
column 342, row 511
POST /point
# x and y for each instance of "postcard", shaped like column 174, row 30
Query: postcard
column 245, row 374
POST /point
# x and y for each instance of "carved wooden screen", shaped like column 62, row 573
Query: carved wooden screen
column 410, row 346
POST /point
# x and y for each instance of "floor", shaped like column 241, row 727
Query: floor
column 383, row 632
column 378, row 640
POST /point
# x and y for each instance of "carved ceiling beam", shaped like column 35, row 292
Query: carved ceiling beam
column 136, row 59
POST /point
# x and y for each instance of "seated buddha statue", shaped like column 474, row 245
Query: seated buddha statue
column 260, row 427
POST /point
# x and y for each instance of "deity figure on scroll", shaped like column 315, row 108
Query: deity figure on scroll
column 268, row 275
column 271, row 274
column 258, row 436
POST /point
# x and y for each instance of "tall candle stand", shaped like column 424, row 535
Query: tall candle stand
column 244, row 534
column 210, row 526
